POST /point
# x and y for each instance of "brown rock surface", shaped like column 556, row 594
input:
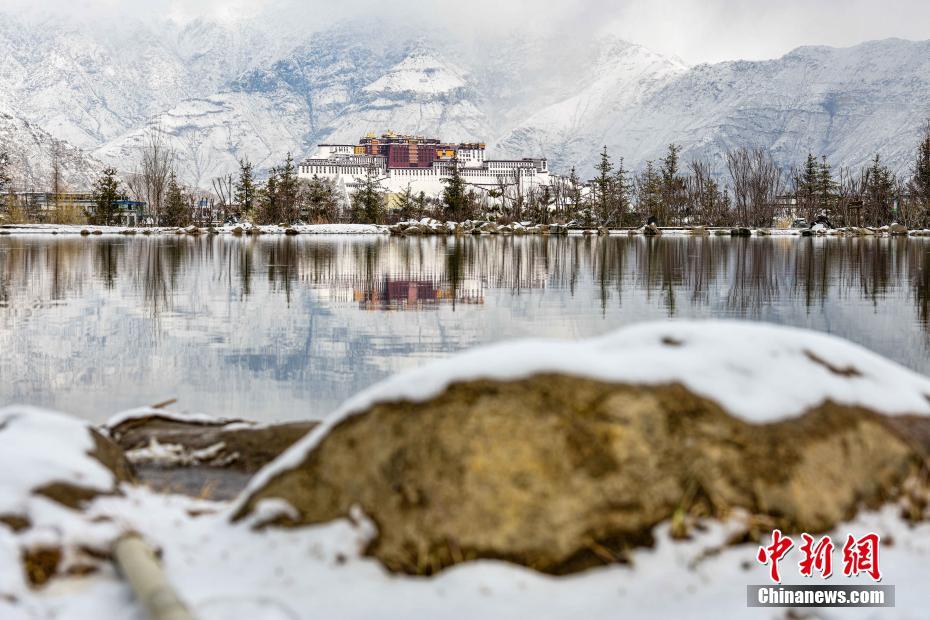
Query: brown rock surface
column 560, row 473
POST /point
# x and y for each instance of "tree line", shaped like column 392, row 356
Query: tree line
column 752, row 191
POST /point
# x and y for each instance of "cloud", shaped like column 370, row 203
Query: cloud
column 694, row 30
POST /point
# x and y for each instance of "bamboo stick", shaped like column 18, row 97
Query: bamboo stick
column 137, row 561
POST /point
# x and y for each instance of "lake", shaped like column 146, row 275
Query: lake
column 275, row 328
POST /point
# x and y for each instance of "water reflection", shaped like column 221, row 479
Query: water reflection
column 271, row 327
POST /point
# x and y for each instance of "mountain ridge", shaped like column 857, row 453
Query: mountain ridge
column 219, row 94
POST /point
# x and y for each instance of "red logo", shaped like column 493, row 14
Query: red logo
column 860, row 555
column 817, row 557
column 774, row 553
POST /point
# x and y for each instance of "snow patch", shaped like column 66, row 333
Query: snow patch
column 40, row 447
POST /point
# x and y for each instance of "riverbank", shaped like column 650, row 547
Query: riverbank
column 435, row 227
column 633, row 474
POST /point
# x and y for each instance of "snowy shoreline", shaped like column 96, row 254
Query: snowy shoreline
column 434, row 227
column 303, row 229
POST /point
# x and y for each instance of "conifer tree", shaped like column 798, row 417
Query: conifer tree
column 322, row 200
column 176, row 212
column 245, row 189
column 453, row 195
column 419, row 206
column 649, row 189
column 879, row 185
column 920, row 181
column 673, row 191
column 106, row 193
column 808, row 183
column 368, row 199
column 603, row 185
column 621, row 188
column 826, row 186
column 406, row 204
column 574, row 195
column 269, row 207
column 287, row 210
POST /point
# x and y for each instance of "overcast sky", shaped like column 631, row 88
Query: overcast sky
column 694, row 30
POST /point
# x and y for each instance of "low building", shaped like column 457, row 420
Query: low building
column 44, row 205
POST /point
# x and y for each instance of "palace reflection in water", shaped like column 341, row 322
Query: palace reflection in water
column 287, row 327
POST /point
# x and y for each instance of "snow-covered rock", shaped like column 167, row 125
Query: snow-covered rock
column 523, row 450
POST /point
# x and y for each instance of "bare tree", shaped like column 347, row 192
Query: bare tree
column 849, row 197
column 156, row 167
column 757, row 181
column 225, row 189
column 56, row 180
column 704, row 196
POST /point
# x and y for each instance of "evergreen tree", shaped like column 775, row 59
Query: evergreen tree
column 176, row 212
column 287, row 210
column 574, row 195
column 269, row 206
column 406, row 204
column 603, row 185
column 419, row 206
column 674, row 189
column 826, row 186
column 245, row 189
column 368, row 199
column 621, row 187
column 649, row 190
column 106, row 193
column 322, row 200
column 879, row 188
column 808, row 183
column 453, row 195
column 920, row 181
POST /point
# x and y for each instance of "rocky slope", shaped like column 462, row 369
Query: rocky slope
column 847, row 104
column 249, row 89
column 32, row 149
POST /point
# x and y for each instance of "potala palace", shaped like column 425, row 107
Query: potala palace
column 422, row 163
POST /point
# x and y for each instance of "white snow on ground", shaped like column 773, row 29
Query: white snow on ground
column 756, row 371
column 38, row 447
column 232, row 572
column 304, row 229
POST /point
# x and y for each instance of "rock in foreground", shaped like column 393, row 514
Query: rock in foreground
column 561, row 456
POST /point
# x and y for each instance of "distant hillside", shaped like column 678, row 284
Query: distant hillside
column 32, row 149
column 224, row 92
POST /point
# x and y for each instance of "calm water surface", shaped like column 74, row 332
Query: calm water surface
column 288, row 327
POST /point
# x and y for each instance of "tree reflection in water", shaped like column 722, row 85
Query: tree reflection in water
column 280, row 316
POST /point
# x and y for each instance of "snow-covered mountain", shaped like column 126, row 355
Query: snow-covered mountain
column 221, row 92
column 422, row 94
column 847, row 104
column 623, row 77
column 266, row 112
column 89, row 82
column 31, row 150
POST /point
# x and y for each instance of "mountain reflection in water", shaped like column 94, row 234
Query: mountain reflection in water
column 270, row 328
